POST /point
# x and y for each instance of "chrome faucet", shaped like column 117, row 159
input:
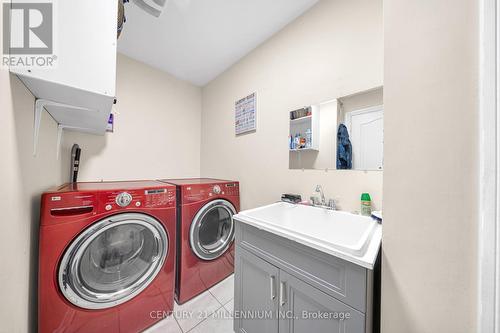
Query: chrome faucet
column 319, row 189
column 323, row 204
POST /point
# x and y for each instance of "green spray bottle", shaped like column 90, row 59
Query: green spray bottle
column 366, row 204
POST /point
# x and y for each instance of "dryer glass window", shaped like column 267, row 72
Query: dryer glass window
column 212, row 230
column 215, row 228
column 113, row 260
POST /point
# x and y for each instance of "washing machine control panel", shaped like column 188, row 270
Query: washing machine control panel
column 216, row 189
column 231, row 188
column 134, row 199
column 72, row 205
column 123, row 199
column 159, row 197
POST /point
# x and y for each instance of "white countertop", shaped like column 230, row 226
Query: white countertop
column 351, row 237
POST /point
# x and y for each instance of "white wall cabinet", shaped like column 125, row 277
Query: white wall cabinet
column 307, row 121
column 79, row 92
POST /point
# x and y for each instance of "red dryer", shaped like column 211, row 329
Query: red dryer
column 107, row 257
column 205, row 233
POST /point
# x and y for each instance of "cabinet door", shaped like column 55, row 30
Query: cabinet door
column 256, row 294
column 301, row 305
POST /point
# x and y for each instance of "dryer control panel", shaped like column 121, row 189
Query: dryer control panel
column 200, row 192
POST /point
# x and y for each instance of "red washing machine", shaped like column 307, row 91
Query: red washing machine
column 107, row 257
column 205, row 233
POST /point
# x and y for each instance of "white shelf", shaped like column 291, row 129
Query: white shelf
column 301, row 120
column 304, row 124
column 303, row 149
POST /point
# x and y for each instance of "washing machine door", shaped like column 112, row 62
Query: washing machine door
column 212, row 229
column 112, row 261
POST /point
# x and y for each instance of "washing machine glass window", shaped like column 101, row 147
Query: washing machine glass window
column 113, row 260
column 212, row 229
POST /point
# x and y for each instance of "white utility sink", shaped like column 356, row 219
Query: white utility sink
column 354, row 238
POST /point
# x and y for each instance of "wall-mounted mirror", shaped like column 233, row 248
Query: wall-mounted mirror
column 342, row 133
column 360, row 123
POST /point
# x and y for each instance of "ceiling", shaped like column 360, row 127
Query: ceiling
column 196, row 40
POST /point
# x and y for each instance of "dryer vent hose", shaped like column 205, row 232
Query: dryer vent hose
column 75, row 163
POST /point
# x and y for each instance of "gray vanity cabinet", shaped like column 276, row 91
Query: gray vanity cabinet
column 299, row 298
column 282, row 287
column 257, row 293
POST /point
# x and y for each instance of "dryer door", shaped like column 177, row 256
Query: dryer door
column 212, row 229
column 112, row 261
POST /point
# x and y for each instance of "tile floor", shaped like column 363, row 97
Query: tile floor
column 208, row 312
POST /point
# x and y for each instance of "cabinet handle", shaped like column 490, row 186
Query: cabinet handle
column 273, row 291
column 282, row 293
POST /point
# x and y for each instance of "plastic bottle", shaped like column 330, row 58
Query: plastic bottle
column 366, row 204
column 308, row 138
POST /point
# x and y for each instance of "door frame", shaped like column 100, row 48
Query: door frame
column 488, row 307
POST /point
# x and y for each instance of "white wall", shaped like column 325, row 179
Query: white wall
column 429, row 259
column 334, row 50
column 157, row 129
column 23, row 178
column 157, row 135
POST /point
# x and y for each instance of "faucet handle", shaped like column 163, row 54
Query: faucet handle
column 314, row 200
column 331, row 204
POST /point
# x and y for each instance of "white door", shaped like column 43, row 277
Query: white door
column 366, row 132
